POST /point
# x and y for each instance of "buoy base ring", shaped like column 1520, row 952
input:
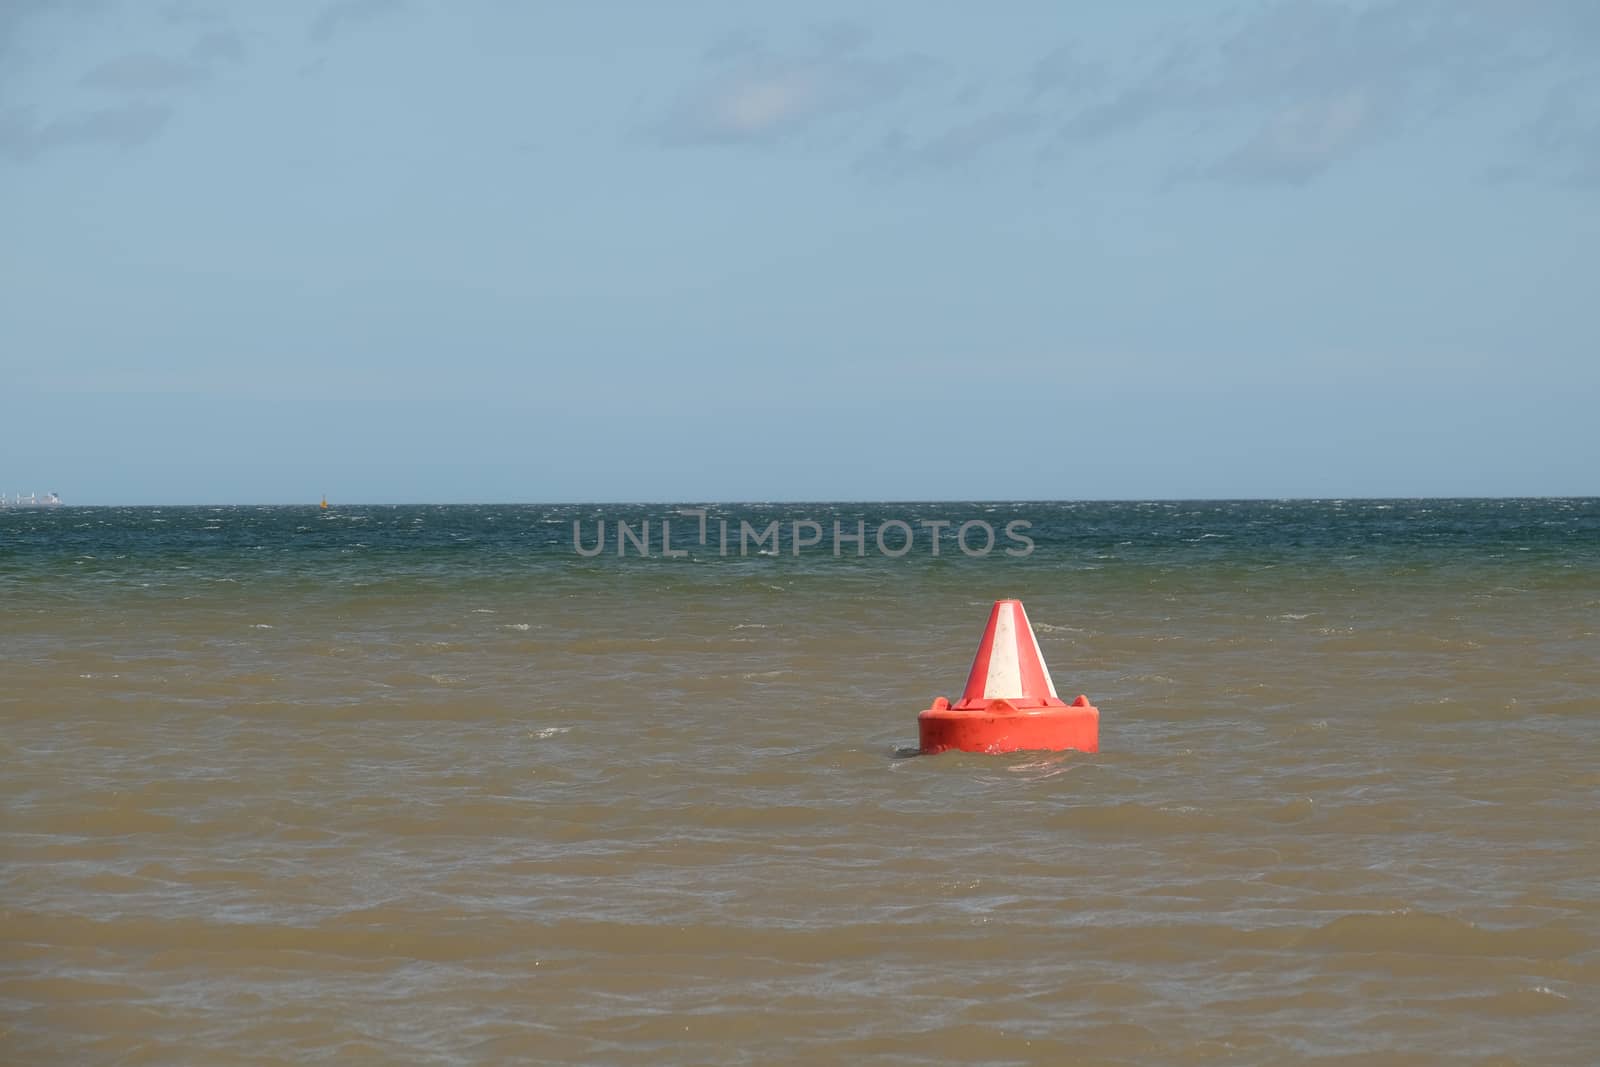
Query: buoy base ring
column 1003, row 728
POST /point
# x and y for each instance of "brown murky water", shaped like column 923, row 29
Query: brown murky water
column 599, row 816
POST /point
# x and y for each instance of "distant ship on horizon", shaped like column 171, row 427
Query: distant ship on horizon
column 32, row 500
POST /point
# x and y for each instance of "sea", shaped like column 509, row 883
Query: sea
column 459, row 785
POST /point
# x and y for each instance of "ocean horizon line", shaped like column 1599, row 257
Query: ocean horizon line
column 802, row 502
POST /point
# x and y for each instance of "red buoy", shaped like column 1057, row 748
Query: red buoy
column 1010, row 703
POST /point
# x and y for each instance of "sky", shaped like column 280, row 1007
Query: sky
column 486, row 250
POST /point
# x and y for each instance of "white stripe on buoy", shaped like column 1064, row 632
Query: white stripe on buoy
column 1005, row 668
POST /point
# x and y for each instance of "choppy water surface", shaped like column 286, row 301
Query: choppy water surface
column 422, row 785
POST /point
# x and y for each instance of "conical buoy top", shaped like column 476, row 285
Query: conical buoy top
column 1010, row 703
column 1009, row 665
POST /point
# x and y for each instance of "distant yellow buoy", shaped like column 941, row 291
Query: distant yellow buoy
column 324, row 501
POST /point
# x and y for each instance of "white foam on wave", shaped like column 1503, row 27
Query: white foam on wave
column 517, row 626
column 1043, row 767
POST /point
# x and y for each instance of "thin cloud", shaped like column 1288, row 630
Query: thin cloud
column 957, row 146
column 1316, row 82
column 219, row 46
column 1566, row 134
column 151, row 82
column 142, row 72
column 1281, row 93
column 342, row 16
column 1063, row 70
column 16, row 17
column 753, row 95
column 14, row 14
column 124, row 127
column 1299, row 143
column 24, row 136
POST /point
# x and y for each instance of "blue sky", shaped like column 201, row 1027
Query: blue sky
column 408, row 250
